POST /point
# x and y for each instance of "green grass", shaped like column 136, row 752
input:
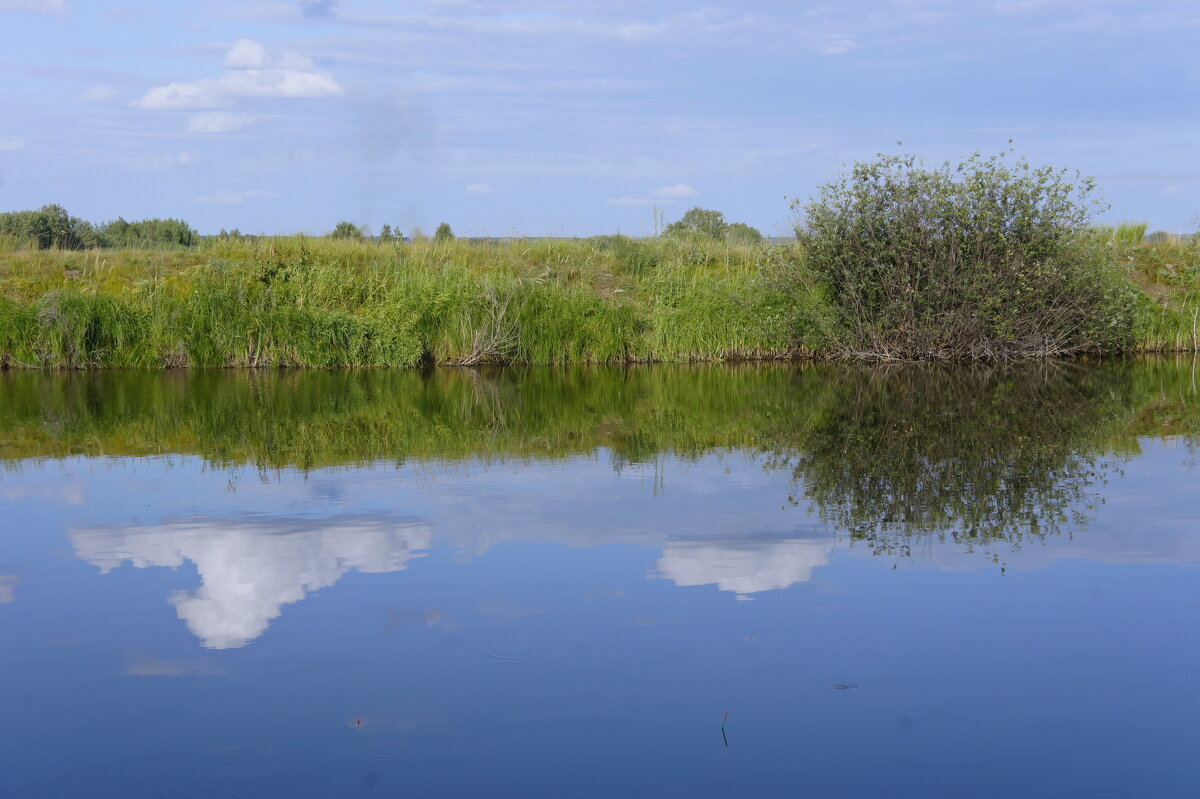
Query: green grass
column 316, row 302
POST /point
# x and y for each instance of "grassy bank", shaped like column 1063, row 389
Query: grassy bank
column 326, row 303
column 317, row 302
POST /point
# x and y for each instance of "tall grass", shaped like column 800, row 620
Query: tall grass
column 304, row 302
column 296, row 301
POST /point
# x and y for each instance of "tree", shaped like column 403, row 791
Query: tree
column 700, row 221
column 443, row 233
column 49, row 226
column 346, row 230
column 743, row 233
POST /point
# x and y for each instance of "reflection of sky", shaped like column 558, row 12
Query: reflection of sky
column 259, row 546
column 509, row 624
column 251, row 566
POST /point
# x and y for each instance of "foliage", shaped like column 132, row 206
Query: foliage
column 705, row 223
column 346, row 230
column 443, row 233
column 148, row 233
column 49, row 227
column 984, row 259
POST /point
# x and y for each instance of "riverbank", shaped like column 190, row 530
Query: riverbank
column 318, row 302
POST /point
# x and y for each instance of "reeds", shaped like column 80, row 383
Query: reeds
column 303, row 302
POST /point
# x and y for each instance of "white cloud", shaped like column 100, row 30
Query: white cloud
column 838, row 45
column 628, row 201
column 250, row 568
column 97, row 94
column 1174, row 188
column 8, row 146
column 480, row 189
column 8, row 584
column 226, row 197
column 677, row 190
column 252, row 71
column 58, row 7
column 218, row 122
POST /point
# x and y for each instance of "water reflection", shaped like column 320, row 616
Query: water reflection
column 250, row 567
column 8, row 586
column 745, row 566
column 896, row 459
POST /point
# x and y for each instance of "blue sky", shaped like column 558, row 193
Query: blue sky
column 575, row 117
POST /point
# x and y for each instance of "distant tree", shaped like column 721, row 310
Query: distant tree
column 443, row 233
column 346, row 230
column 741, row 232
column 49, row 226
column 147, row 233
column 385, row 233
column 700, row 221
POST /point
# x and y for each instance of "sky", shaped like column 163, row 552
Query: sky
column 576, row 117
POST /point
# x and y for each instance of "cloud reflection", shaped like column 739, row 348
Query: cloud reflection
column 744, row 566
column 8, row 585
column 251, row 566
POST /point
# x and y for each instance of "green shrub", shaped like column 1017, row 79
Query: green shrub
column 984, row 259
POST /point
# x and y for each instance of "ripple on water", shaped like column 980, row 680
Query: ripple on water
column 393, row 750
column 111, row 556
column 1017, row 746
column 511, row 653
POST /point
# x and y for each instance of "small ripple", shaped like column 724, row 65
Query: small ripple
column 110, row 556
column 511, row 653
column 394, row 750
column 1018, row 746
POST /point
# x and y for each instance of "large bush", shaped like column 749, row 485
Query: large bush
column 985, row 259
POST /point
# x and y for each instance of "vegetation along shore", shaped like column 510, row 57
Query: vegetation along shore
column 991, row 259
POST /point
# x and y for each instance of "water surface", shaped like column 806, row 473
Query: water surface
column 916, row 581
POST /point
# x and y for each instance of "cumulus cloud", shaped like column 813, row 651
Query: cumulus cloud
column 218, row 122
column 744, row 566
column 252, row 71
column 9, row 145
column 677, row 190
column 58, row 7
column 97, row 94
column 227, row 197
column 480, row 189
column 251, row 567
column 628, row 201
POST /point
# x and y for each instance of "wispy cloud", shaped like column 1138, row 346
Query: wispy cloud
column 480, row 189
column 318, row 9
column 9, row 145
column 252, row 71
column 58, row 7
column 628, row 201
column 226, row 197
column 219, row 122
column 97, row 94
column 676, row 190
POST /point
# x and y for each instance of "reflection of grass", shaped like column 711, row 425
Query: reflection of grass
column 977, row 455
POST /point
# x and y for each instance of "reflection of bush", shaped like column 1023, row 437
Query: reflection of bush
column 976, row 454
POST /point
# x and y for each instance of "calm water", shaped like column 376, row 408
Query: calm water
column 896, row 582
